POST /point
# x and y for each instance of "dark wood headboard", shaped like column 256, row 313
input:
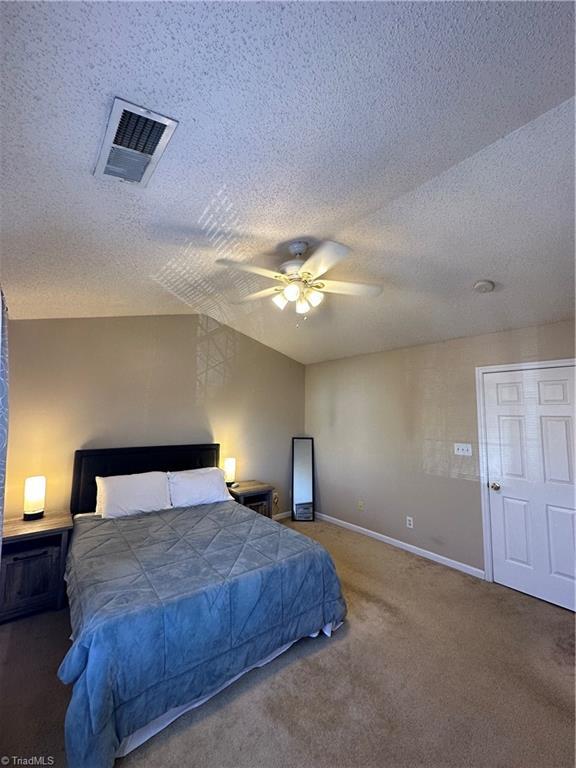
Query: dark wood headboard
column 104, row 462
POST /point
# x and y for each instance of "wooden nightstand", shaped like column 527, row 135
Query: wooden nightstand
column 32, row 566
column 255, row 495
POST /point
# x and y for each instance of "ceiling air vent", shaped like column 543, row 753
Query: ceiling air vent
column 134, row 142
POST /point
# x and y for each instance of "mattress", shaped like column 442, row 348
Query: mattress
column 168, row 607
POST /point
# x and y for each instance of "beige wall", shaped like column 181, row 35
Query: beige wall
column 384, row 427
column 143, row 381
column 384, row 423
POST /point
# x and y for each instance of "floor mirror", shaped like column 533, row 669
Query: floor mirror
column 302, row 478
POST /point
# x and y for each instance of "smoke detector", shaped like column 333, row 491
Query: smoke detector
column 134, row 142
column 484, row 286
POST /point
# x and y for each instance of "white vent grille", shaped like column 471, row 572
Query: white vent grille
column 134, row 142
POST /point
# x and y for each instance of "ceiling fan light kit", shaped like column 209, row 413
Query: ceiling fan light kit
column 292, row 292
column 302, row 306
column 280, row 301
column 298, row 278
column 314, row 297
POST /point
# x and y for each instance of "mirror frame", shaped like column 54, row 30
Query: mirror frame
column 313, row 500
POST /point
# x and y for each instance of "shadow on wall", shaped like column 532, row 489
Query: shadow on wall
column 444, row 421
column 197, row 376
column 443, row 403
column 216, row 355
column 435, row 415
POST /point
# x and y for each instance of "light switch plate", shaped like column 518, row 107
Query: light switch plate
column 463, row 449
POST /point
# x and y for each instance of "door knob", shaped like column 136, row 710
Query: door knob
column 495, row 486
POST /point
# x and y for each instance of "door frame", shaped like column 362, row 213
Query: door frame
column 483, row 444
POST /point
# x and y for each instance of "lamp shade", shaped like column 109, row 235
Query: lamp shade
column 314, row 297
column 34, row 494
column 280, row 301
column 230, row 469
column 292, row 292
column 302, row 306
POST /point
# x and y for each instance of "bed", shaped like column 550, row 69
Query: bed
column 168, row 607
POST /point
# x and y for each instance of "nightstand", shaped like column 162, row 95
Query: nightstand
column 254, row 495
column 32, row 566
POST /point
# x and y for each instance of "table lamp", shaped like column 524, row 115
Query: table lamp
column 230, row 470
column 34, row 497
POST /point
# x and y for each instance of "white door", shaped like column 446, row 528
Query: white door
column 530, row 443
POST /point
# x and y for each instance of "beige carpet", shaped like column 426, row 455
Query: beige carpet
column 432, row 668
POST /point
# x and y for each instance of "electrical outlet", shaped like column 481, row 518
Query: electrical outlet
column 360, row 505
column 463, row 449
column 409, row 522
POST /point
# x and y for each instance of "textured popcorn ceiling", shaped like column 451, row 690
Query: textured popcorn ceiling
column 433, row 138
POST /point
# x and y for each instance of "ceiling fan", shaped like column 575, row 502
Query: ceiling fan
column 298, row 280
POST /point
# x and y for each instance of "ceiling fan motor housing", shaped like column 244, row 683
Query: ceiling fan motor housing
column 298, row 248
column 291, row 268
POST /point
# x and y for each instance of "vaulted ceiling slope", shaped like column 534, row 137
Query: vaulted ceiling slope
column 435, row 139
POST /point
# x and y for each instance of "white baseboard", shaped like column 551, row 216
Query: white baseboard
column 281, row 515
column 469, row 569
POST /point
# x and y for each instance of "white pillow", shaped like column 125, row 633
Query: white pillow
column 121, row 495
column 197, row 486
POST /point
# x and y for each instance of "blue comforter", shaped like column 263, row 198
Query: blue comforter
column 167, row 606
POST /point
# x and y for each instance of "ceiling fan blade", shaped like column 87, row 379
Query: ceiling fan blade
column 250, row 268
column 258, row 295
column 349, row 289
column 326, row 256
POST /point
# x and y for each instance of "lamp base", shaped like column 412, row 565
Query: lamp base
column 33, row 515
